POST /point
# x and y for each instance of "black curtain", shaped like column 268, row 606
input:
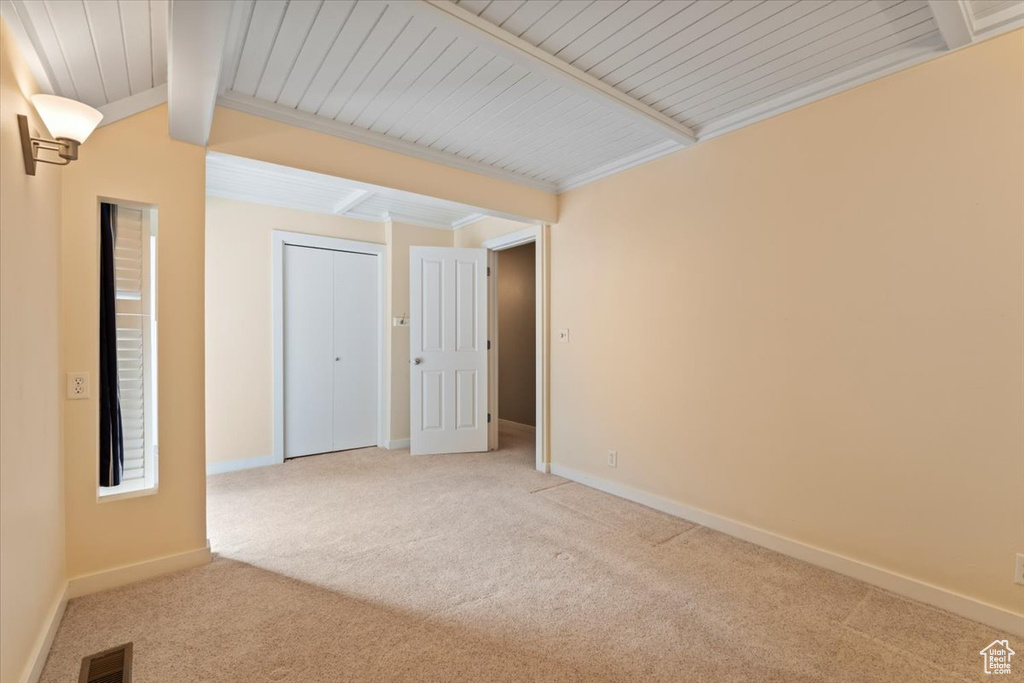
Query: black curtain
column 111, row 436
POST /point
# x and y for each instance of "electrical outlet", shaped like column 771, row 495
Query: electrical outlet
column 1018, row 570
column 613, row 459
column 78, row 385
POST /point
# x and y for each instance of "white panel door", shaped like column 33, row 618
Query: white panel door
column 448, row 350
column 356, row 330
column 308, row 351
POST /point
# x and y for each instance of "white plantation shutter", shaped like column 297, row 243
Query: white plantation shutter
column 134, row 327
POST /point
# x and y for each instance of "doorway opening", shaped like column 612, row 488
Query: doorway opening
column 518, row 332
column 516, row 352
column 261, row 217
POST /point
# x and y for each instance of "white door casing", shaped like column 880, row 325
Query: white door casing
column 538, row 235
column 448, row 350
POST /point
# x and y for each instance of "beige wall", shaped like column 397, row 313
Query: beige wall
column 401, row 236
column 239, row 328
column 258, row 138
column 31, row 387
column 815, row 325
column 517, row 335
column 134, row 159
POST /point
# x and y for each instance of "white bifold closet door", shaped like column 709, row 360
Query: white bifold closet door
column 330, row 350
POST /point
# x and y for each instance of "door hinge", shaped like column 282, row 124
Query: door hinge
column 488, row 271
column 488, row 417
column 488, row 344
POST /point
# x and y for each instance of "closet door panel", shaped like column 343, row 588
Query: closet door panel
column 308, row 351
column 356, row 334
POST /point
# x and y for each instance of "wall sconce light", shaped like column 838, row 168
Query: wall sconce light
column 70, row 122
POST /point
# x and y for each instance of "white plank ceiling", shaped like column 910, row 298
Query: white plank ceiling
column 549, row 93
column 708, row 61
column 259, row 182
column 100, row 52
column 988, row 15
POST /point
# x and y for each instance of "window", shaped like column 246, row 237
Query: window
column 136, row 315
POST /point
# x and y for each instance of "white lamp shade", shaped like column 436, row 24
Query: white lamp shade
column 66, row 118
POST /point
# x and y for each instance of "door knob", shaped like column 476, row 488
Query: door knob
column 417, row 361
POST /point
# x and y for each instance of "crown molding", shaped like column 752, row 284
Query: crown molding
column 468, row 220
column 611, row 168
column 134, row 104
column 839, row 83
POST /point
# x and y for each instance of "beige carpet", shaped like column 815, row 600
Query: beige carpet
column 378, row 566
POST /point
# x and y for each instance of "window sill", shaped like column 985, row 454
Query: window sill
column 135, row 489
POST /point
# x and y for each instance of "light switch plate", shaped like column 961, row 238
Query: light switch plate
column 563, row 336
column 78, row 385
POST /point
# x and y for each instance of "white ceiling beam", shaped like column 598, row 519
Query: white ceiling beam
column 516, row 50
column 198, row 32
column 133, row 104
column 954, row 21
column 357, row 198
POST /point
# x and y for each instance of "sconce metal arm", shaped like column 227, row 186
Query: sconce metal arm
column 30, row 146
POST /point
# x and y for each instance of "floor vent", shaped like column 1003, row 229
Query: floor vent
column 110, row 666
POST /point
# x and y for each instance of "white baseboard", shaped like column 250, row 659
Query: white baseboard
column 876, row 576
column 222, row 466
column 517, row 427
column 93, row 583
column 132, row 573
column 41, row 648
column 396, row 444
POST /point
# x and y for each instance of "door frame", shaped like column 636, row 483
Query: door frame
column 279, row 240
column 539, row 235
